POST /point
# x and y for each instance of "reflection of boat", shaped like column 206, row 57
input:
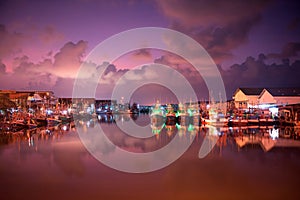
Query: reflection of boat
column 182, row 114
column 171, row 116
column 170, row 129
column 157, row 128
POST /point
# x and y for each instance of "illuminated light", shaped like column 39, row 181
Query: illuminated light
column 273, row 110
column 265, row 106
column 190, row 112
column 65, row 128
column 64, row 112
column 88, row 110
column 190, row 128
column 274, row 134
column 49, row 112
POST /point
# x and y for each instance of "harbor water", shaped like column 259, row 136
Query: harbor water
column 245, row 163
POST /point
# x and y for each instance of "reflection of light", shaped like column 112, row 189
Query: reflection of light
column 213, row 131
column 190, row 128
column 88, row 110
column 64, row 112
column 88, row 123
column 30, row 141
column 274, row 134
column 49, row 112
column 65, row 128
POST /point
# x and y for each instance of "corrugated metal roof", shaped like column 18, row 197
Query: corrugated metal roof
column 284, row 91
column 252, row 91
column 273, row 91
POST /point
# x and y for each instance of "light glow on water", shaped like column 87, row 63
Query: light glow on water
column 50, row 159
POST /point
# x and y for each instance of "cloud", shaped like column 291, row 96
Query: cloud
column 257, row 73
column 68, row 60
column 58, row 73
column 289, row 50
column 2, row 68
column 50, row 35
column 142, row 54
column 294, row 24
column 210, row 12
column 10, row 43
column 219, row 26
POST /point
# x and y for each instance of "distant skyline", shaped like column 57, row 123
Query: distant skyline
column 43, row 43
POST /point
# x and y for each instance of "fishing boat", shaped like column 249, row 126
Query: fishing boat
column 183, row 115
column 30, row 124
column 157, row 116
column 66, row 118
column 41, row 121
column 253, row 121
column 216, row 119
column 239, row 121
column 53, row 121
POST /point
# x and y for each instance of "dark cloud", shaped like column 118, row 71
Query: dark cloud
column 289, row 50
column 294, row 24
column 110, row 68
column 219, row 26
column 2, row 68
column 144, row 53
column 256, row 73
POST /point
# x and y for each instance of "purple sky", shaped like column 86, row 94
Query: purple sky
column 43, row 43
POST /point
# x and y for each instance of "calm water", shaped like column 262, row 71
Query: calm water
column 248, row 163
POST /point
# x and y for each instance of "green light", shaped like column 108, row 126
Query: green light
column 190, row 112
column 190, row 128
column 177, row 114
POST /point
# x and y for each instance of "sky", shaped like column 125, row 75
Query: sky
column 44, row 43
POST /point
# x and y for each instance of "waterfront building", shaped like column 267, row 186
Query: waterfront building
column 245, row 98
column 28, row 98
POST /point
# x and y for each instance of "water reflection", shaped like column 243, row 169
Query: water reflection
column 267, row 137
column 247, row 162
